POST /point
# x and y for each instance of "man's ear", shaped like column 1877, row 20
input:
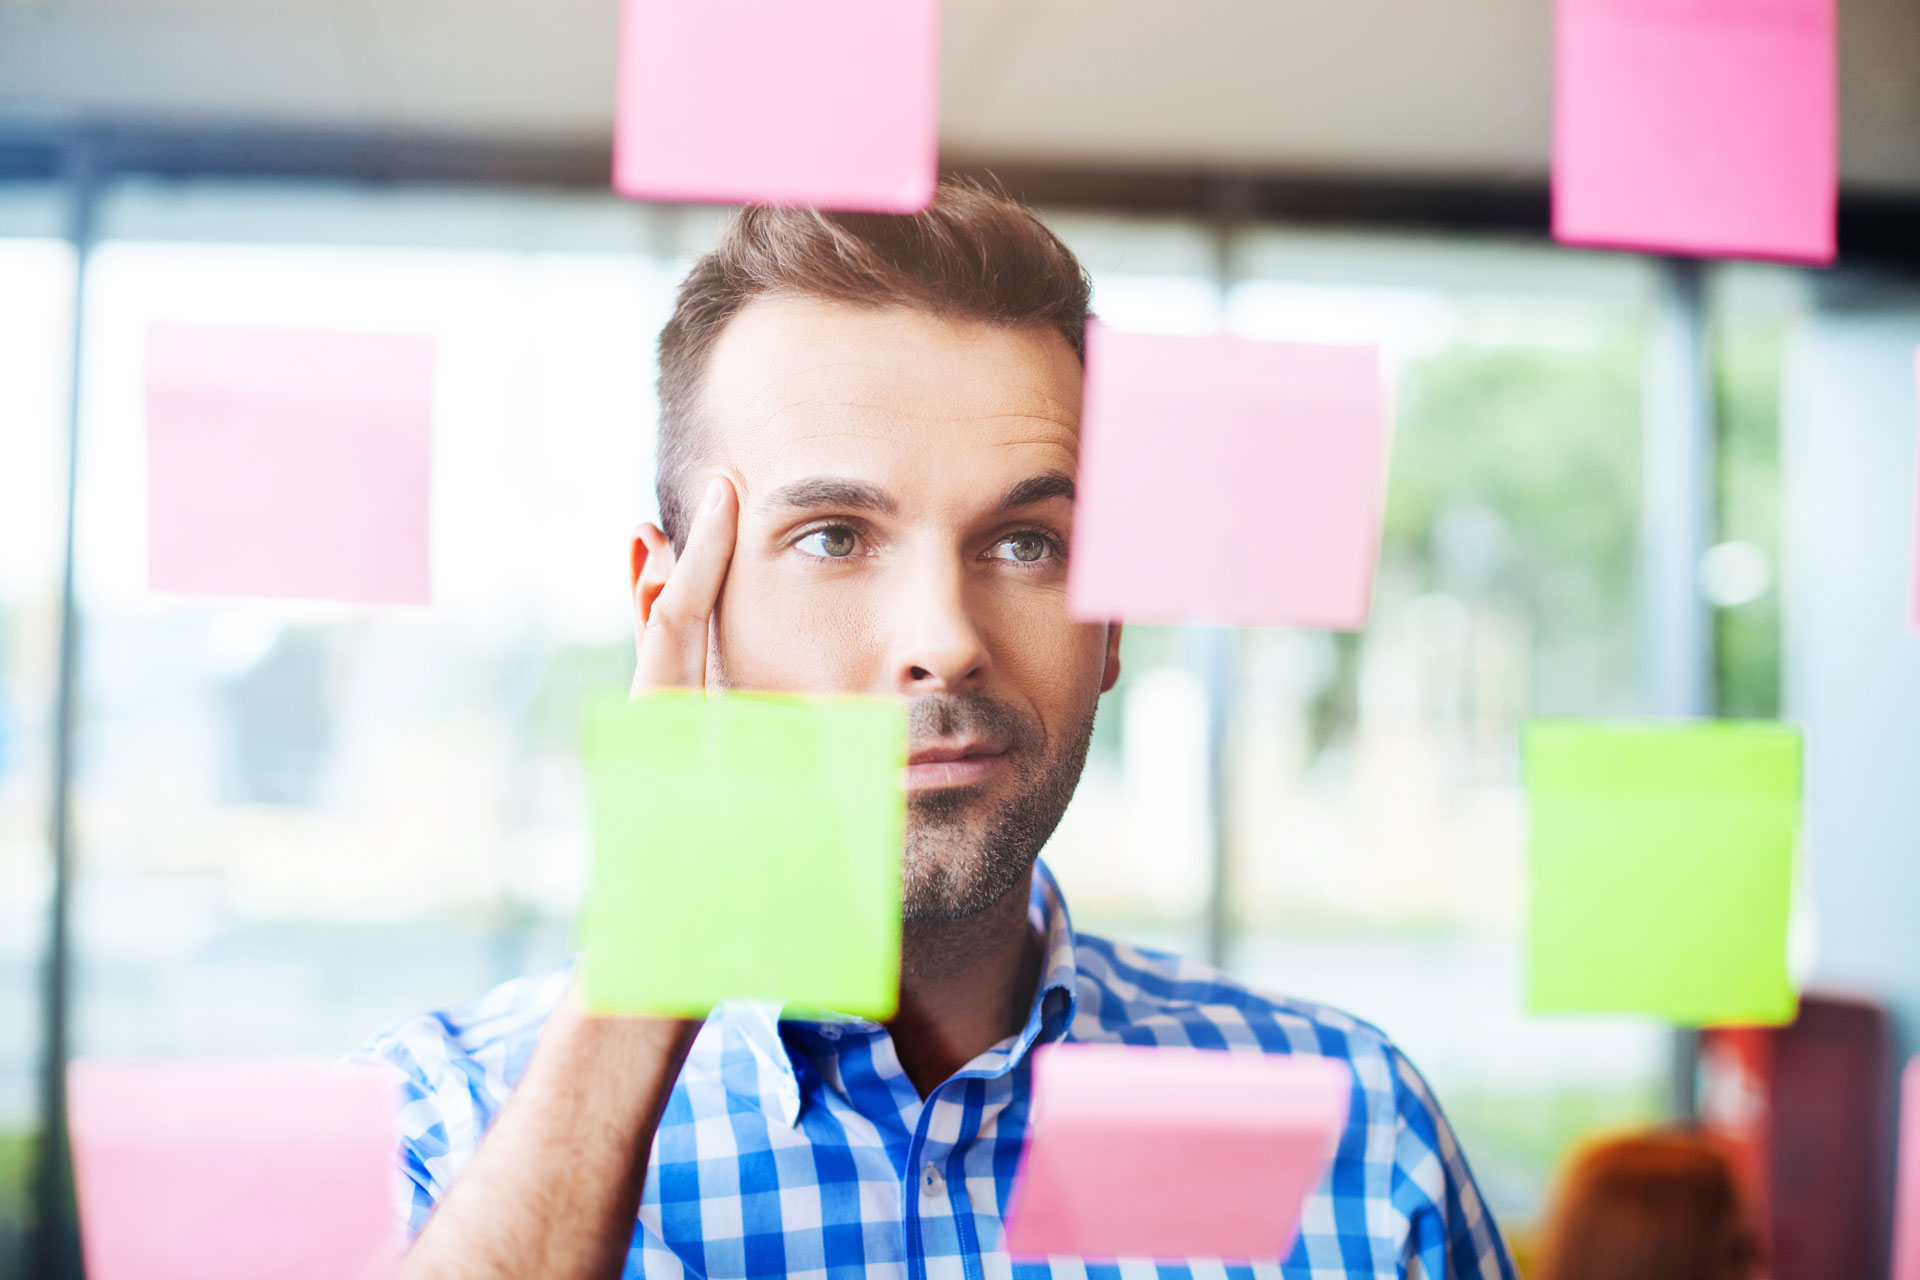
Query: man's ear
column 1111, row 676
column 652, row 562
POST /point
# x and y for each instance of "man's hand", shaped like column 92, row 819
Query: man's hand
column 674, row 598
column 555, row 1190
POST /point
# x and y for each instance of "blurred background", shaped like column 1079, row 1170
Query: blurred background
column 1620, row 486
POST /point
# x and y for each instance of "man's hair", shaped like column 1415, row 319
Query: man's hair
column 976, row 254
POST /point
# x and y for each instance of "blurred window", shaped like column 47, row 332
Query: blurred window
column 299, row 822
column 1755, row 310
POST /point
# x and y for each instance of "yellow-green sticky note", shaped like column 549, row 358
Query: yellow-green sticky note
column 1662, row 869
column 746, row 847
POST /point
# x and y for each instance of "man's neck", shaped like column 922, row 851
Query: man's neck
column 965, row 985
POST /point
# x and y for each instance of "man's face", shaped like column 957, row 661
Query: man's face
column 905, row 488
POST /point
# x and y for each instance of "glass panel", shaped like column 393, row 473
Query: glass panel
column 303, row 821
column 1378, row 822
column 1133, row 853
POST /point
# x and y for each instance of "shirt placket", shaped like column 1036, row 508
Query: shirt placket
column 942, row 1243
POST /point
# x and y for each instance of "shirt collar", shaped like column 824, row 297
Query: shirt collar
column 1058, row 996
column 1055, row 1001
column 778, row 1086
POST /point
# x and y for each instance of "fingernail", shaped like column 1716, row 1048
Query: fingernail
column 716, row 493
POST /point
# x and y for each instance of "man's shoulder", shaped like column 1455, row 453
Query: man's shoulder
column 1136, row 995
column 1398, row 1152
column 457, row 1067
column 482, row 1042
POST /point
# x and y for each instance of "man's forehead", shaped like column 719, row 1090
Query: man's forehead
column 795, row 384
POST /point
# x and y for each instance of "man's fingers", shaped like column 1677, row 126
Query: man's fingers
column 673, row 641
column 694, row 585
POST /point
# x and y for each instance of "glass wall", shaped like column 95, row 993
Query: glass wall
column 1375, row 826
column 297, row 823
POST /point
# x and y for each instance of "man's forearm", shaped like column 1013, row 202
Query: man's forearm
column 555, row 1188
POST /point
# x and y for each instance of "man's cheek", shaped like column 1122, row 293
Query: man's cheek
column 1063, row 667
column 747, row 605
column 796, row 632
column 1040, row 631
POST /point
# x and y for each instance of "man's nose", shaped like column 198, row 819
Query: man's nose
column 940, row 648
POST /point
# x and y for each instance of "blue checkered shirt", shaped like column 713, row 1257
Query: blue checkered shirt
column 802, row 1149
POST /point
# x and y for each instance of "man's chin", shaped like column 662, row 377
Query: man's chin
column 953, row 869
column 942, row 809
column 968, row 847
column 950, row 902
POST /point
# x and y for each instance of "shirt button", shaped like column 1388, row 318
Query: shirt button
column 931, row 1183
column 830, row 1032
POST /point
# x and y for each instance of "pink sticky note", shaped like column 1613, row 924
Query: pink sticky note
column 234, row 1170
column 1172, row 1153
column 1906, row 1213
column 289, row 464
column 1227, row 480
column 832, row 104
column 1697, row 126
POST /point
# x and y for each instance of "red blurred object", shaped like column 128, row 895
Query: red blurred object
column 1806, row 1111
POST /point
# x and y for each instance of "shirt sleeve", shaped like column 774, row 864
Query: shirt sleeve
column 457, row 1068
column 1450, row 1233
column 443, row 1113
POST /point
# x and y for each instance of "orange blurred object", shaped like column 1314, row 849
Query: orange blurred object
column 1658, row 1206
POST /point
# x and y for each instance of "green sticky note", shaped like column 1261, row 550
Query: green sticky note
column 745, row 848
column 1662, row 869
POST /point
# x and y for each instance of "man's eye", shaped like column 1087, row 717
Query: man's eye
column 835, row 543
column 1024, row 547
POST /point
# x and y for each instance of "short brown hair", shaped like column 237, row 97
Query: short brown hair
column 976, row 254
column 1656, row 1206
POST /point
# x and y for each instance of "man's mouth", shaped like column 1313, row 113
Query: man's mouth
column 956, row 763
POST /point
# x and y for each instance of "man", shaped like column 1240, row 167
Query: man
column 868, row 432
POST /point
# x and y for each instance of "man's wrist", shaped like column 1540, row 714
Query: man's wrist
column 574, row 1026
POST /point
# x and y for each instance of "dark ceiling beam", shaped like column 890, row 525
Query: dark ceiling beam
column 1872, row 226
column 1299, row 198
column 1876, row 228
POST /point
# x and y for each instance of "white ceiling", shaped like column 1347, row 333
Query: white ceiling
column 1451, row 88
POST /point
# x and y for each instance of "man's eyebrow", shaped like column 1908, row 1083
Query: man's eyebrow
column 1040, row 488
column 827, row 491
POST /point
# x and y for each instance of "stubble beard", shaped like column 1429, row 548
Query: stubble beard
column 962, row 858
column 964, row 854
